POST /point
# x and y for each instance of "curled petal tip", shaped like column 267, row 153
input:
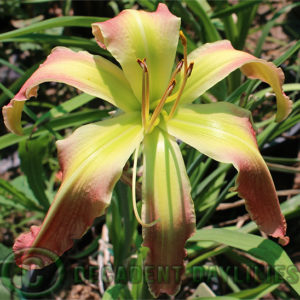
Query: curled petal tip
column 215, row 61
column 89, row 73
column 12, row 116
column 28, row 257
column 283, row 241
column 98, row 36
column 224, row 132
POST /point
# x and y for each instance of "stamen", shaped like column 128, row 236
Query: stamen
column 186, row 76
column 177, row 70
column 133, row 191
column 145, row 91
column 184, row 44
column 160, row 105
column 190, row 69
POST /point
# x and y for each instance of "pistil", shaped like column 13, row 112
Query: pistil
column 133, row 189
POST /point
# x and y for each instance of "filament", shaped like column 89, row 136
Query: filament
column 186, row 76
column 160, row 105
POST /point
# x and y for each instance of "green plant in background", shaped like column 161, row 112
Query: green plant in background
column 158, row 116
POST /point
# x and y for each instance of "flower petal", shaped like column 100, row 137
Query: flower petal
column 90, row 73
column 224, row 132
column 137, row 34
column 166, row 197
column 214, row 61
column 92, row 159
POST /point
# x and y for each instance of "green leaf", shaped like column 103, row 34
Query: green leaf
column 118, row 291
column 139, row 286
column 4, row 252
column 76, row 21
column 11, row 66
column 12, row 196
column 121, row 230
column 32, row 153
column 148, row 4
column 245, row 19
column 234, row 9
column 58, row 40
column 255, row 293
column 211, row 34
column 70, row 120
column 270, row 24
column 257, row 246
column 17, row 84
column 278, row 61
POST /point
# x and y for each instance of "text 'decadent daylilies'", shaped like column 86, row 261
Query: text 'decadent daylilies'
column 156, row 102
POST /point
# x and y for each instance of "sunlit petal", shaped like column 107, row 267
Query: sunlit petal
column 92, row 74
column 213, row 62
column 92, row 159
column 137, row 34
column 224, row 132
column 166, row 198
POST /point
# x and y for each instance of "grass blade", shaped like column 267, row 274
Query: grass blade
column 257, row 246
column 75, row 21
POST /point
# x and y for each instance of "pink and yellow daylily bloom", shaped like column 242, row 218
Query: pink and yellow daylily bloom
column 156, row 103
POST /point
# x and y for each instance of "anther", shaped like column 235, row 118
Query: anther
column 190, row 69
column 184, row 44
column 142, row 64
column 177, row 70
column 182, row 38
column 145, row 91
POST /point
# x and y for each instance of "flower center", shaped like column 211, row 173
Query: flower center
column 149, row 122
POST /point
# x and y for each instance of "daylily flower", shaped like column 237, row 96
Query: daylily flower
column 156, row 101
